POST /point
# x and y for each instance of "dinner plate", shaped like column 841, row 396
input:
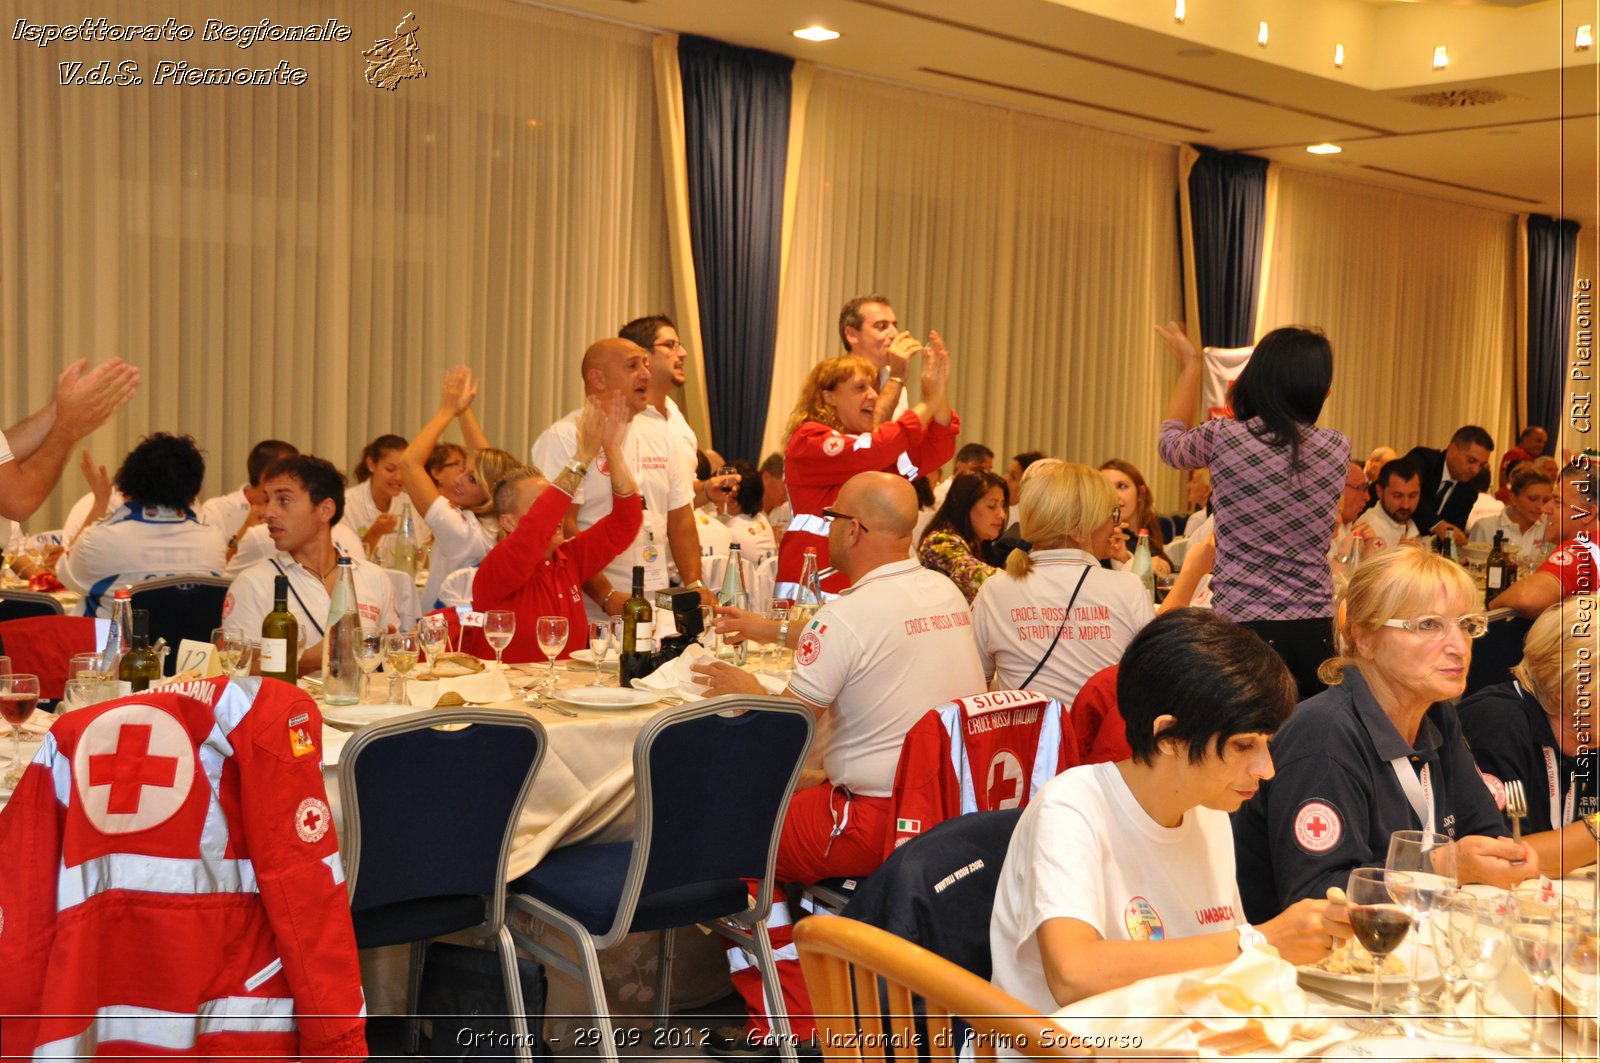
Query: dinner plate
column 1357, row 984
column 361, row 715
column 586, row 656
column 606, row 697
column 1409, row 1048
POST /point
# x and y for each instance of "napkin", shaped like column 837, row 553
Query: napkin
column 1256, row 997
column 486, row 686
column 677, row 678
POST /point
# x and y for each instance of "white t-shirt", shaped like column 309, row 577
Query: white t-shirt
column 715, row 537
column 1385, row 532
column 664, row 469
column 889, row 648
column 78, row 515
column 459, row 539
column 1531, row 543
column 676, row 424
column 249, row 599
column 754, row 535
column 361, row 509
column 1014, row 621
column 1085, row 849
column 226, row 512
column 138, row 543
column 256, row 545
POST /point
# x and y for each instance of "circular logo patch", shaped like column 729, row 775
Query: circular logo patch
column 1497, row 790
column 1562, row 556
column 1317, row 827
column 312, row 819
column 1143, row 921
column 810, row 648
column 833, row 445
column 1004, row 787
column 601, row 465
column 133, row 769
column 227, row 605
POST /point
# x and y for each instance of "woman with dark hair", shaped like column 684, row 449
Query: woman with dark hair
column 1137, row 507
column 1275, row 482
column 371, row 508
column 973, row 513
column 746, row 523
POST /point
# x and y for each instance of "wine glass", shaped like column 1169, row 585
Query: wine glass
column 730, row 489
column 433, row 635
column 552, row 634
column 1535, row 931
column 401, row 649
column 1450, row 963
column 1581, row 967
column 19, row 696
column 1379, row 923
column 599, row 646
column 230, row 644
column 370, row 650
column 1429, row 861
column 1477, row 928
column 499, row 625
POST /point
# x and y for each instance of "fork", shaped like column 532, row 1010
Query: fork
column 1516, row 807
column 529, row 699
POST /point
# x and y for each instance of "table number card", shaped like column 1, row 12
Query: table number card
column 198, row 656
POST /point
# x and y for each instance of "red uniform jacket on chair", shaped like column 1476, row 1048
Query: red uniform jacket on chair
column 171, row 884
column 982, row 753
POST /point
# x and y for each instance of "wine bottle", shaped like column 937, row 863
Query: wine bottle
column 808, row 599
column 140, row 666
column 733, row 594
column 638, row 633
column 404, row 554
column 1141, row 564
column 1499, row 571
column 341, row 673
column 280, row 636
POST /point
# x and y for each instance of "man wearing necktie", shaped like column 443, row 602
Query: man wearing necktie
column 1451, row 480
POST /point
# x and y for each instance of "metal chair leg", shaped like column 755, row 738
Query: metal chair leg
column 413, row 991
column 664, row 978
column 777, row 1009
column 516, row 1007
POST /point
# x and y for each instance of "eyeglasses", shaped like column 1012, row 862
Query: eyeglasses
column 668, row 345
column 833, row 514
column 1473, row 625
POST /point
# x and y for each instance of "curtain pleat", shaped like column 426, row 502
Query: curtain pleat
column 1227, row 218
column 1552, row 255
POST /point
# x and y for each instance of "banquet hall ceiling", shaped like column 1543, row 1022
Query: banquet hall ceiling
column 1510, row 123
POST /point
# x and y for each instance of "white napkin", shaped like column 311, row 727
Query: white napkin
column 1255, row 995
column 481, row 688
column 677, row 678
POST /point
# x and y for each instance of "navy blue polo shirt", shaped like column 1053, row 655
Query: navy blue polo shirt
column 1511, row 738
column 1335, row 799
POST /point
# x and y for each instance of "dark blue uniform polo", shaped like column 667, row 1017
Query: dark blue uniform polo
column 1335, row 799
column 1508, row 732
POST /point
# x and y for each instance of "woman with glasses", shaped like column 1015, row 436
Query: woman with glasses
column 1537, row 728
column 1381, row 749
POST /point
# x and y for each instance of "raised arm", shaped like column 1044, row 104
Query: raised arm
column 455, row 398
column 83, row 402
column 901, row 351
column 1186, row 393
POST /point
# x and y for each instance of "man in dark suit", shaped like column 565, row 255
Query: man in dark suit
column 1451, row 481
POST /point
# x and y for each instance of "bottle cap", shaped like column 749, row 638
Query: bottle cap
column 1144, row 531
column 122, row 592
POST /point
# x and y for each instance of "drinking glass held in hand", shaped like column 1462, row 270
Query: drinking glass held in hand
column 19, row 696
column 499, row 627
column 1429, row 861
column 401, row 649
column 552, row 635
column 370, row 650
column 1379, row 923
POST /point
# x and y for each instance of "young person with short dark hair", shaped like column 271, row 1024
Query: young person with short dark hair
column 1122, row 871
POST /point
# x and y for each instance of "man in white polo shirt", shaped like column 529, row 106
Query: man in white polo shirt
column 1389, row 523
column 662, row 466
column 305, row 499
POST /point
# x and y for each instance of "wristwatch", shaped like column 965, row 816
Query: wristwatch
column 1249, row 936
column 576, row 468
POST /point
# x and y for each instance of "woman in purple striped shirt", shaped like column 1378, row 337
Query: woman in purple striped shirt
column 1275, row 480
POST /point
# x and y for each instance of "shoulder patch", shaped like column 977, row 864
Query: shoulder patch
column 312, row 819
column 1497, row 790
column 1142, row 920
column 1562, row 556
column 1317, row 827
column 833, row 445
column 810, row 648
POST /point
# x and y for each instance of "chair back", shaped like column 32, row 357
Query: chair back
column 182, row 607
column 431, row 801
column 714, row 778
column 45, row 646
column 843, row 962
column 1494, row 655
column 18, row 605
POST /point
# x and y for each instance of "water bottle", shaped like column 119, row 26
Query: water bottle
column 404, row 556
column 341, row 675
column 1141, row 564
column 119, row 637
column 808, row 599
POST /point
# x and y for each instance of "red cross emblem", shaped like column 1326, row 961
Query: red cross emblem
column 312, row 819
column 130, row 769
column 1317, row 827
column 1004, row 786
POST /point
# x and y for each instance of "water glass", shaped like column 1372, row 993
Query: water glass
column 499, row 627
column 1428, row 860
column 1535, row 932
column 433, row 636
column 401, row 654
column 370, row 650
column 1450, row 962
column 1477, row 929
column 599, row 646
column 552, row 635
column 1581, row 970
column 231, row 645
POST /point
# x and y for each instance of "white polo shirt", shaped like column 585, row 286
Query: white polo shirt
column 715, row 536
column 256, row 545
column 361, row 510
column 753, row 533
column 459, row 539
column 676, row 423
column 226, row 512
column 138, row 543
column 664, row 469
column 1015, row 619
column 1385, row 532
column 249, row 600
column 78, row 515
column 1531, row 543
column 889, row 648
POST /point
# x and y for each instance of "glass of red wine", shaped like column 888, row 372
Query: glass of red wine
column 19, row 696
column 1379, row 923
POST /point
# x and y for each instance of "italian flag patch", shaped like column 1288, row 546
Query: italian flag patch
column 908, row 826
column 818, row 626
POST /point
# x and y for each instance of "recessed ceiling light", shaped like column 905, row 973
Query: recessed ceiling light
column 1324, row 149
column 1585, row 38
column 1261, row 34
column 1441, row 58
column 1338, row 56
column 1177, row 11
column 817, row 33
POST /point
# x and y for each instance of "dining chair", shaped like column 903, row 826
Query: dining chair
column 871, row 989
column 182, row 607
column 20, row 605
column 713, row 779
column 430, row 804
column 45, row 645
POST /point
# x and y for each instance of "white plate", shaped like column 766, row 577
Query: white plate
column 606, row 697
column 361, row 715
column 1357, row 984
column 1409, row 1048
column 586, row 656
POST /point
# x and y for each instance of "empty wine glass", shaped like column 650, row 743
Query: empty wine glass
column 19, row 696
column 1535, row 931
column 1429, row 862
column 401, row 649
column 599, row 646
column 1450, row 964
column 552, row 634
column 499, row 626
column 370, row 649
column 1379, row 923
column 1477, row 927
column 433, row 636
column 1580, row 970
column 230, row 643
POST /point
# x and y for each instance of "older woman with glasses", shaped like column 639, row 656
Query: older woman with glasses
column 1381, row 749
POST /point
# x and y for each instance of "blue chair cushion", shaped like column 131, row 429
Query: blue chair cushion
column 416, row 920
column 585, row 882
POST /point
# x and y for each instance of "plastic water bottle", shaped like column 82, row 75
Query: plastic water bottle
column 1141, row 564
column 404, row 556
column 341, row 674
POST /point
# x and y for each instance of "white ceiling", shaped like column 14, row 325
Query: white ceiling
column 1127, row 65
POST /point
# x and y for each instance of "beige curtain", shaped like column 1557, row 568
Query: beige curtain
column 1041, row 251
column 304, row 262
column 1417, row 296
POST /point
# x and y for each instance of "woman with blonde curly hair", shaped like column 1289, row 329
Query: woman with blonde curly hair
column 831, row 438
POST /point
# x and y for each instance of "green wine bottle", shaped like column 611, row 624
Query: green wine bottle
column 280, row 636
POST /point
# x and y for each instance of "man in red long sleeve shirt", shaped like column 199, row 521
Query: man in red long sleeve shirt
column 534, row 570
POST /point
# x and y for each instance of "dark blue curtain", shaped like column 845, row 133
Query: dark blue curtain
column 1227, row 211
column 1552, row 261
column 736, row 129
